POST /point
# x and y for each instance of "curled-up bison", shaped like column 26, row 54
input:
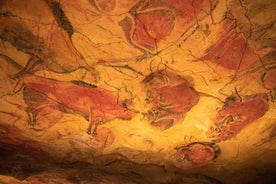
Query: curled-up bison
column 197, row 153
column 169, row 98
column 236, row 115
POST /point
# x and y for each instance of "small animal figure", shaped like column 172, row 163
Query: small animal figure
column 197, row 153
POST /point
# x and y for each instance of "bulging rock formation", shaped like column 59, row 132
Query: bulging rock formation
column 137, row 91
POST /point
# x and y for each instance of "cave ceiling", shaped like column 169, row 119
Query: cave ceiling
column 137, row 91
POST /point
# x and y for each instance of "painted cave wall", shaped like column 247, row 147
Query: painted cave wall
column 137, row 91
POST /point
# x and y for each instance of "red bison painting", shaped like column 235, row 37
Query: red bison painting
column 232, row 118
column 197, row 153
column 95, row 104
column 170, row 97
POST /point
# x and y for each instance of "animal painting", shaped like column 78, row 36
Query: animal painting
column 95, row 104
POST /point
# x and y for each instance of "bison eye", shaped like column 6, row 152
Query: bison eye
column 211, row 128
column 126, row 103
column 149, row 97
column 147, row 100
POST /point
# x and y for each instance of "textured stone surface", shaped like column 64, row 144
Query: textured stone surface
column 137, row 91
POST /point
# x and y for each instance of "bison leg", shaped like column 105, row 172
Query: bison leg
column 31, row 116
column 93, row 120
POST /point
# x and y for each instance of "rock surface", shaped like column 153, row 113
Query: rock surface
column 137, row 91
